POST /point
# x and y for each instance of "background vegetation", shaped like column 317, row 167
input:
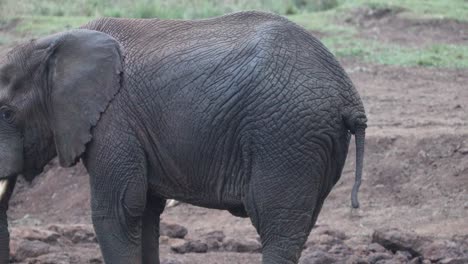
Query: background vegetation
column 20, row 19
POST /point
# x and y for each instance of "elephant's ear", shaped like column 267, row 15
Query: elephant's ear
column 84, row 75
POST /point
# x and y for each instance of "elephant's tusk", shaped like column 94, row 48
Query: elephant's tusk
column 172, row 203
column 3, row 187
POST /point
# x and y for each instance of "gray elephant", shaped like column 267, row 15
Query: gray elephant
column 246, row 112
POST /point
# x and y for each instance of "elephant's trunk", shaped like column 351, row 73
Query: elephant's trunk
column 7, row 186
column 359, row 136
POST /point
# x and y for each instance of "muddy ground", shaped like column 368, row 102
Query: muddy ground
column 414, row 197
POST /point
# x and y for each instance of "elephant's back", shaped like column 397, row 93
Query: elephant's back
column 258, row 62
column 138, row 35
column 242, row 55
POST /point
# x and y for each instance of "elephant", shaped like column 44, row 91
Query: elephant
column 246, row 112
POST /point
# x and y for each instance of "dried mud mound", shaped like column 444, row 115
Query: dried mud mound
column 391, row 25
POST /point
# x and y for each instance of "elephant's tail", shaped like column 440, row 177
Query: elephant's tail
column 357, row 125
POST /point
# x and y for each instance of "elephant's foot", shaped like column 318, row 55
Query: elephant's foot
column 118, row 244
column 275, row 255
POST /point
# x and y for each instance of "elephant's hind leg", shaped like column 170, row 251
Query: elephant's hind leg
column 283, row 202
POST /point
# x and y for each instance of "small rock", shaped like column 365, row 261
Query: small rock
column 375, row 247
column 217, row 235
column 178, row 245
column 358, row 243
column 462, row 240
column 461, row 260
column 403, row 255
column 317, row 257
column 325, row 239
column 250, row 245
column 360, row 250
column 439, row 250
column 356, row 260
column 35, row 234
column 376, row 257
column 391, row 261
column 96, row 260
column 182, row 246
column 163, row 240
column 335, row 233
column 214, row 240
column 340, row 250
column 30, row 249
column 394, row 240
column 197, row 246
column 76, row 233
column 323, row 242
column 14, row 244
column 173, row 230
column 51, row 259
column 170, row 261
column 417, row 260
column 463, row 151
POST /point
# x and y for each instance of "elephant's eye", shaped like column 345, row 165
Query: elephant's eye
column 7, row 114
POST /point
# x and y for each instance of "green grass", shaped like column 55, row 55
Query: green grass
column 453, row 56
column 42, row 17
column 190, row 9
column 35, row 26
column 323, row 22
column 341, row 38
column 182, row 9
column 4, row 40
column 441, row 55
column 453, row 9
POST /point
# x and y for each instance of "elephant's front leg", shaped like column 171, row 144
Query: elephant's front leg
column 117, row 214
column 118, row 200
column 150, row 231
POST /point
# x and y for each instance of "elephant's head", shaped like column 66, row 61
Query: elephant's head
column 52, row 92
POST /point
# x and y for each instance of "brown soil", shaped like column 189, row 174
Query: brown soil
column 415, row 179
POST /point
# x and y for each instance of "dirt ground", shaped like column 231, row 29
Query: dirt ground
column 415, row 179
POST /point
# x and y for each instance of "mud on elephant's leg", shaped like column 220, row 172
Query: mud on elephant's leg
column 150, row 230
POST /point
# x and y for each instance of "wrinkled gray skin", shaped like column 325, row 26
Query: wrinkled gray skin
column 246, row 112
